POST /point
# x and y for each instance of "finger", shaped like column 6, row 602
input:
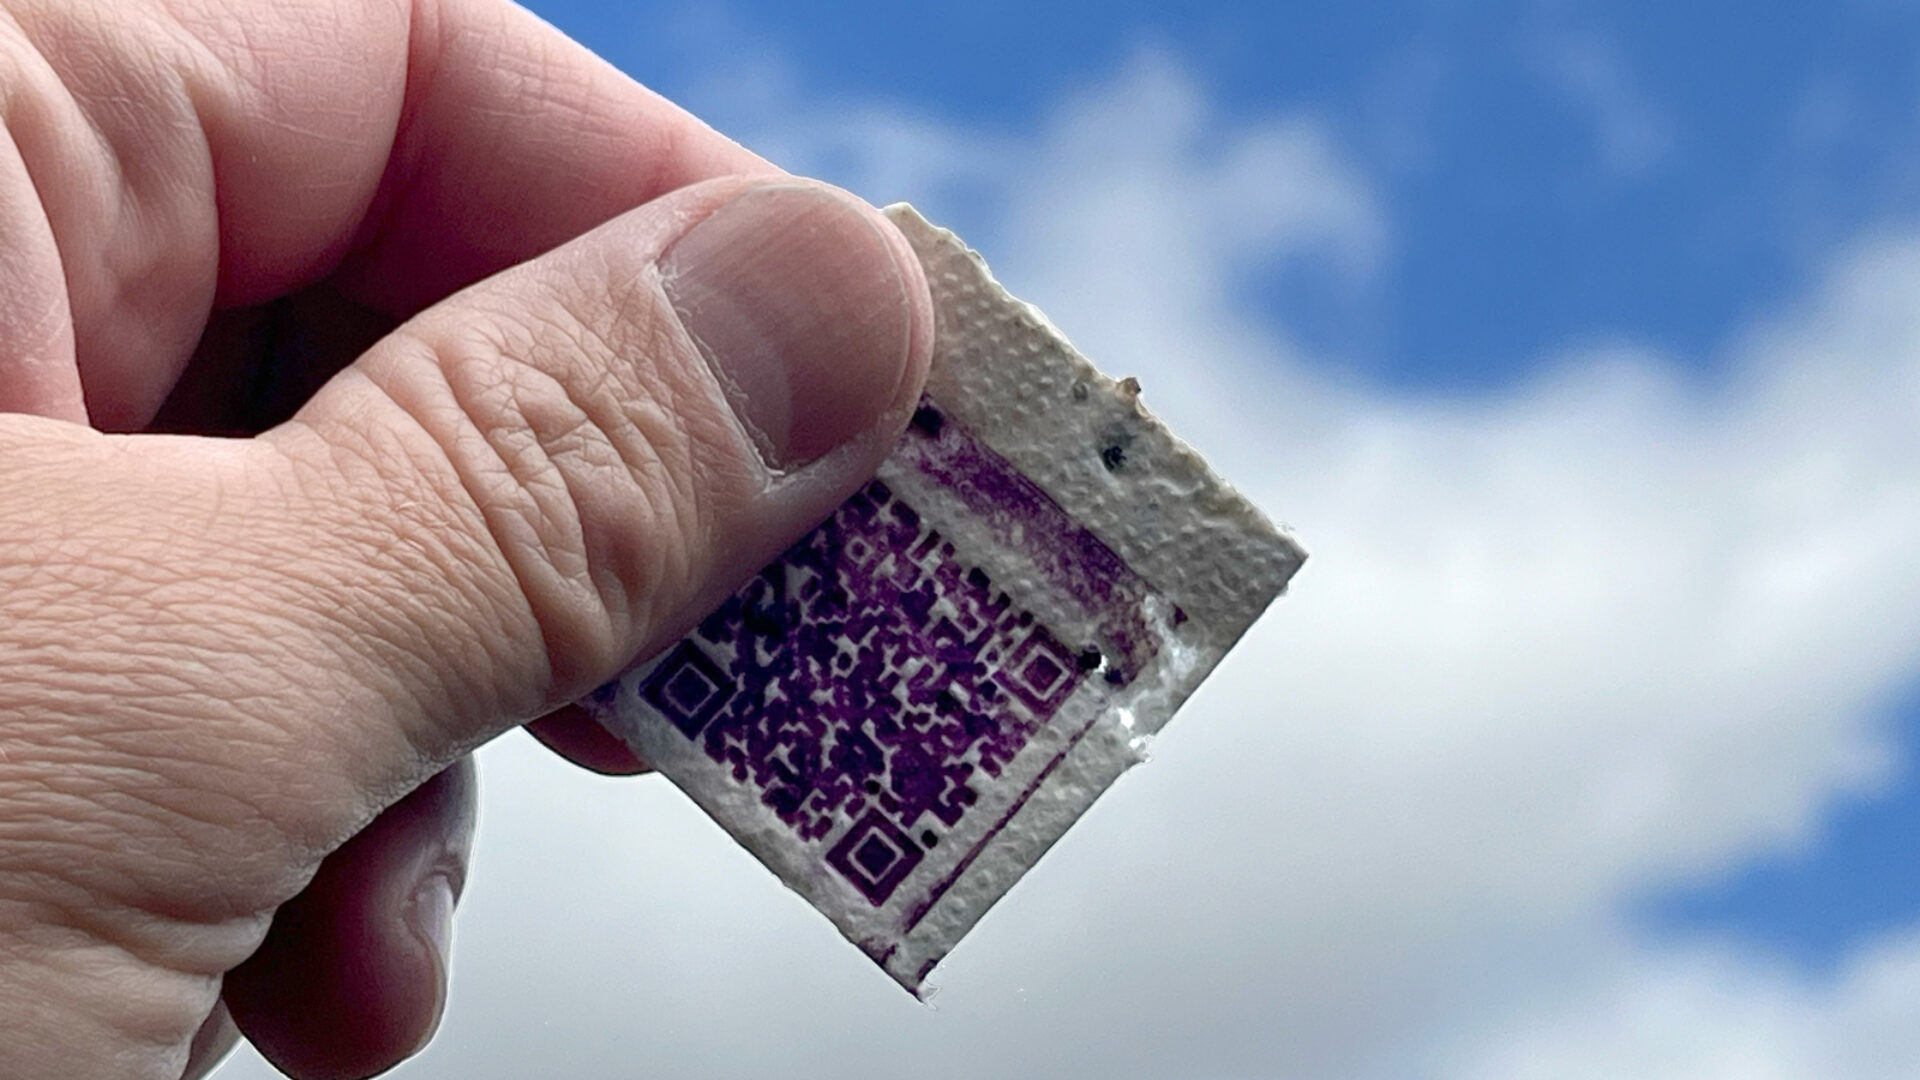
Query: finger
column 37, row 370
column 171, row 155
column 578, row 737
column 495, row 510
column 514, row 139
column 352, row 977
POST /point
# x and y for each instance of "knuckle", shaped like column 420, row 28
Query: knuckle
column 555, row 425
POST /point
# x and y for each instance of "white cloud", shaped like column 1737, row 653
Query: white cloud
column 1556, row 645
column 1714, row 1016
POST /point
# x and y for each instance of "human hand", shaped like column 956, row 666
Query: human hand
column 538, row 433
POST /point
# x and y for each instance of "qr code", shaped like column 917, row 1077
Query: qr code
column 867, row 674
column 871, row 683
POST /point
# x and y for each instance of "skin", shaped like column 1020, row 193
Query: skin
column 238, row 679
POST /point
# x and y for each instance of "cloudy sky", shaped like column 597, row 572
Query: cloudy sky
column 1579, row 342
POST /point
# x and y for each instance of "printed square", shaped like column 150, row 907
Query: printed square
column 1041, row 673
column 688, row 688
column 875, row 856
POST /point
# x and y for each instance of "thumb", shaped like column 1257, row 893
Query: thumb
column 492, row 511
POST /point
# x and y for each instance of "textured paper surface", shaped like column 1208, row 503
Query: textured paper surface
column 902, row 713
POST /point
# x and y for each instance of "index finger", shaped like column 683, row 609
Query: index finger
column 175, row 155
column 508, row 139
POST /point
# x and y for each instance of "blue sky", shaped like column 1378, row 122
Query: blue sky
column 1580, row 342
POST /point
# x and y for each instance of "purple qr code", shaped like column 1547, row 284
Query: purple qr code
column 869, row 682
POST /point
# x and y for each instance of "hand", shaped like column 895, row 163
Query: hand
column 500, row 433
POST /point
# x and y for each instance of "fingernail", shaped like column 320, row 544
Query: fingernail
column 795, row 298
column 430, row 915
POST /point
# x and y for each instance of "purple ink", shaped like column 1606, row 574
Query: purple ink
column 879, row 682
column 1021, row 516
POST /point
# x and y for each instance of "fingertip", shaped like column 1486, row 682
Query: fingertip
column 800, row 299
column 352, row 977
column 570, row 732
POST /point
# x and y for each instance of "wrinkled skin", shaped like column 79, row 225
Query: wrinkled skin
column 238, row 678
